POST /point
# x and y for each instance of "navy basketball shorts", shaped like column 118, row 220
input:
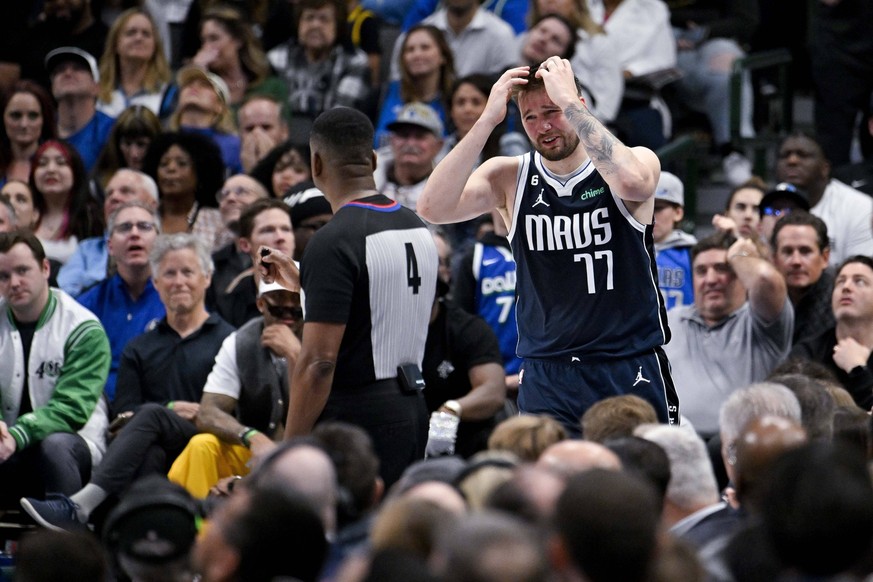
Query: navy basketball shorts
column 564, row 388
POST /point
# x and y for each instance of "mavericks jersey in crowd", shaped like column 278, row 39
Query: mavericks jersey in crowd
column 586, row 277
column 494, row 272
column 675, row 277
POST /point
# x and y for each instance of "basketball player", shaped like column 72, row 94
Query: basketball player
column 369, row 278
column 579, row 211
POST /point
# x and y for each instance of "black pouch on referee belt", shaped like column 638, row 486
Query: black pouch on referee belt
column 410, row 378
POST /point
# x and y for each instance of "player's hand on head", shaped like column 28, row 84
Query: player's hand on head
column 501, row 93
column 277, row 267
column 560, row 82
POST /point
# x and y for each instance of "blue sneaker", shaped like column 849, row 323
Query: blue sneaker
column 57, row 512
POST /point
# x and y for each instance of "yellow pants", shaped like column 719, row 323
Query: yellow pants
column 205, row 461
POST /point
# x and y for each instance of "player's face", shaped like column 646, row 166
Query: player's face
column 798, row 256
column 181, row 281
column 853, row 293
column 717, row 291
column 744, row 210
column 546, row 126
column 23, row 281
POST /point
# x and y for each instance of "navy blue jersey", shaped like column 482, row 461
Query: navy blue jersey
column 586, row 276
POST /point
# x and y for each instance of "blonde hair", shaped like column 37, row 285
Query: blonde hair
column 157, row 69
column 252, row 58
column 578, row 16
column 526, row 435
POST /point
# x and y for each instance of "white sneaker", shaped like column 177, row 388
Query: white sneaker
column 737, row 168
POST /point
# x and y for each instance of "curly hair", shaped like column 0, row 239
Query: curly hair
column 205, row 157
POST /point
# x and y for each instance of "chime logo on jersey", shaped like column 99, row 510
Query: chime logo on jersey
column 555, row 233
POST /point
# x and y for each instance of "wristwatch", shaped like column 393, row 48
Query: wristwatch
column 453, row 406
column 244, row 435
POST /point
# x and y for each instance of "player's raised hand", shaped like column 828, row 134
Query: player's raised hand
column 501, row 92
column 557, row 75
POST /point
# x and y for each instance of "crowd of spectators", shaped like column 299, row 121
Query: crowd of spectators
column 148, row 149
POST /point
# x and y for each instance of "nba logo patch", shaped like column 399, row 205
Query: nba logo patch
column 520, row 376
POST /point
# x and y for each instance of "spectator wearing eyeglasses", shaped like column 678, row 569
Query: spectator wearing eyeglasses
column 127, row 303
column 230, row 260
column 245, row 399
column 89, row 264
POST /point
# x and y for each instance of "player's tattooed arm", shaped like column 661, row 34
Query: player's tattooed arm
column 598, row 142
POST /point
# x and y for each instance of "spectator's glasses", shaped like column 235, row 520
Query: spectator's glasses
column 285, row 312
column 777, row 212
column 126, row 227
column 239, row 192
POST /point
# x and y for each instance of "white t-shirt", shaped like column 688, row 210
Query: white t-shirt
column 847, row 213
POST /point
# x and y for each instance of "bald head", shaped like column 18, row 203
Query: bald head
column 571, row 456
column 761, row 443
column 309, row 471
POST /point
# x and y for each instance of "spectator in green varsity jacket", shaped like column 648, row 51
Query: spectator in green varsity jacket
column 54, row 359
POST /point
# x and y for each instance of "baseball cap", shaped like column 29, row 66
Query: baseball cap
column 156, row 522
column 306, row 201
column 192, row 72
column 264, row 287
column 420, row 115
column 670, row 189
column 72, row 53
column 785, row 191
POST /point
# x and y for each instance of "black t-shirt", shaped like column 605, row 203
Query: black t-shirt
column 372, row 268
column 26, row 330
column 456, row 342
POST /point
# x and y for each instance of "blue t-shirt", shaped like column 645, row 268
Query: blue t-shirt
column 89, row 140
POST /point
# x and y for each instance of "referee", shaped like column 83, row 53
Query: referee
column 369, row 277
